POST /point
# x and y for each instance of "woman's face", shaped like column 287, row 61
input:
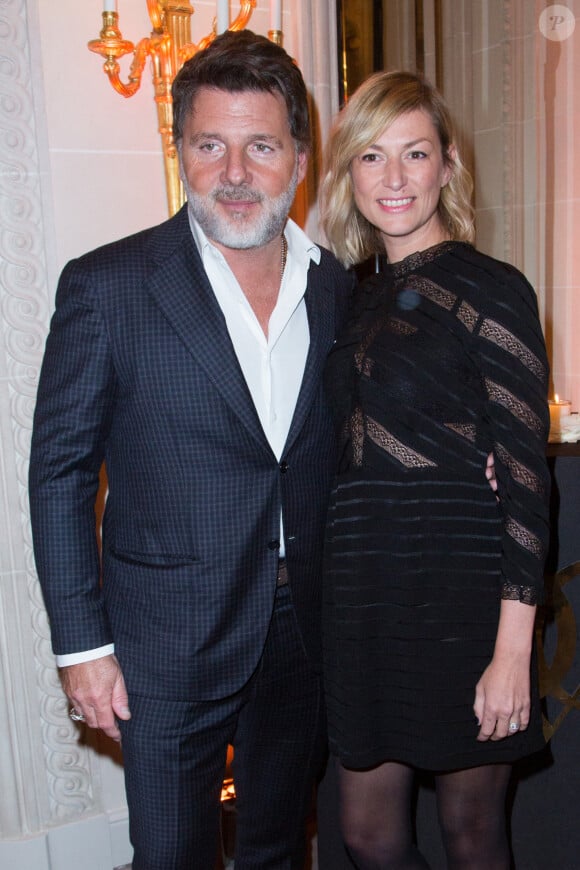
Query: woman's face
column 397, row 182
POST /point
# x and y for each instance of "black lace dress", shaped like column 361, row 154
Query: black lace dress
column 442, row 361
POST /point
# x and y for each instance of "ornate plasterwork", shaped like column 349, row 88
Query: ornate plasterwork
column 65, row 769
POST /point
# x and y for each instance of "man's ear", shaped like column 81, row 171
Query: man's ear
column 302, row 165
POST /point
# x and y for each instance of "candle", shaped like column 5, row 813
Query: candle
column 559, row 408
column 275, row 14
column 109, row 5
column 223, row 15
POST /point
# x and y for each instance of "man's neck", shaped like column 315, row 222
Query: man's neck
column 259, row 273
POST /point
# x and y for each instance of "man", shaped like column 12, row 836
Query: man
column 188, row 358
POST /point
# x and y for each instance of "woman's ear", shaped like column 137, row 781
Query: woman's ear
column 449, row 167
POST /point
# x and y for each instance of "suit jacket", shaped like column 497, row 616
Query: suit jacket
column 140, row 372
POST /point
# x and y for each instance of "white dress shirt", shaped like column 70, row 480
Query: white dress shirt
column 272, row 365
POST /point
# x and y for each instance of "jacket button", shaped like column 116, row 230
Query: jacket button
column 274, row 545
column 283, row 467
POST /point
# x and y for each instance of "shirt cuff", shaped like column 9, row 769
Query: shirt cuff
column 88, row 655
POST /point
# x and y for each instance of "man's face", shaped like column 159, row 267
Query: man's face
column 240, row 166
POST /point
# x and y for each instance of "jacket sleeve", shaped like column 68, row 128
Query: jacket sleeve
column 74, row 405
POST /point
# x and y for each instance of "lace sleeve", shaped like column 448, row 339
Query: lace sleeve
column 515, row 374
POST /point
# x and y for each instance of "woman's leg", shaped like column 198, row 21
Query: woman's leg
column 472, row 814
column 375, row 809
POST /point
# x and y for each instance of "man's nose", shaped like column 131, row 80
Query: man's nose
column 236, row 170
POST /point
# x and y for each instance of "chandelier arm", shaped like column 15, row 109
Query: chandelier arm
column 111, row 67
column 244, row 15
column 155, row 12
column 187, row 51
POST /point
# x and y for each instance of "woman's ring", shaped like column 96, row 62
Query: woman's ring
column 77, row 716
column 514, row 727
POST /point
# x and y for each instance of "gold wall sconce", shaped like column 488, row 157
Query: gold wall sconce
column 168, row 47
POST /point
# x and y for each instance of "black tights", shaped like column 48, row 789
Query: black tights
column 377, row 825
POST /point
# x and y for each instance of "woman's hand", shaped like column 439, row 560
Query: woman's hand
column 502, row 698
column 502, row 695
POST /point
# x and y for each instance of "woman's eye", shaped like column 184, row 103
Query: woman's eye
column 417, row 155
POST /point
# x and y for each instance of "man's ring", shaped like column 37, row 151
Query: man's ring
column 77, row 716
column 514, row 727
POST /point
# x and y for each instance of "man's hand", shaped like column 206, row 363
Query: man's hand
column 97, row 690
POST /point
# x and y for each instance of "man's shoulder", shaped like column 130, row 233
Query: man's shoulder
column 333, row 274
column 337, row 281
column 328, row 260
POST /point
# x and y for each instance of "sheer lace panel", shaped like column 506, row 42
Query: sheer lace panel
column 520, row 472
column 525, row 594
column 366, row 366
column 357, row 436
column 467, row 315
column 519, row 409
column 404, row 454
column 366, row 342
column 400, row 327
column 467, row 430
column 432, row 291
column 500, row 336
column 524, row 537
column 421, row 258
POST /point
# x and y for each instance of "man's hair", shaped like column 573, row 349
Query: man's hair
column 238, row 61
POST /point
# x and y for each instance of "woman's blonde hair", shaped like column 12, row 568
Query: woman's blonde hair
column 379, row 101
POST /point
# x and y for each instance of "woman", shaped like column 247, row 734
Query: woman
column 432, row 579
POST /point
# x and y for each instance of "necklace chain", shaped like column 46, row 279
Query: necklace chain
column 283, row 257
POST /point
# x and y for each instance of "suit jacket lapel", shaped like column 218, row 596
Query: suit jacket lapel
column 183, row 293
column 319, row 300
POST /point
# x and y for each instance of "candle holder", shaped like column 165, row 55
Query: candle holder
column 559, row 411
column 168, row 47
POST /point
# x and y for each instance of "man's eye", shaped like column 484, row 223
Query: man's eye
column 262, row 148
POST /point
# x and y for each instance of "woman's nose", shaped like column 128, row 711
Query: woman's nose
column 394, row 175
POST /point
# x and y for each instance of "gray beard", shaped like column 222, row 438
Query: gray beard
column 241, row 233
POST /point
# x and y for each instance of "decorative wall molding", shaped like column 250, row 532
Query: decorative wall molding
column 50, row 771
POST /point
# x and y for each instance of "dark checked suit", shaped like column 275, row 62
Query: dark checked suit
column 140, row 372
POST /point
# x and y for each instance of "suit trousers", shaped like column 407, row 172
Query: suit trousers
column 175, row 756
